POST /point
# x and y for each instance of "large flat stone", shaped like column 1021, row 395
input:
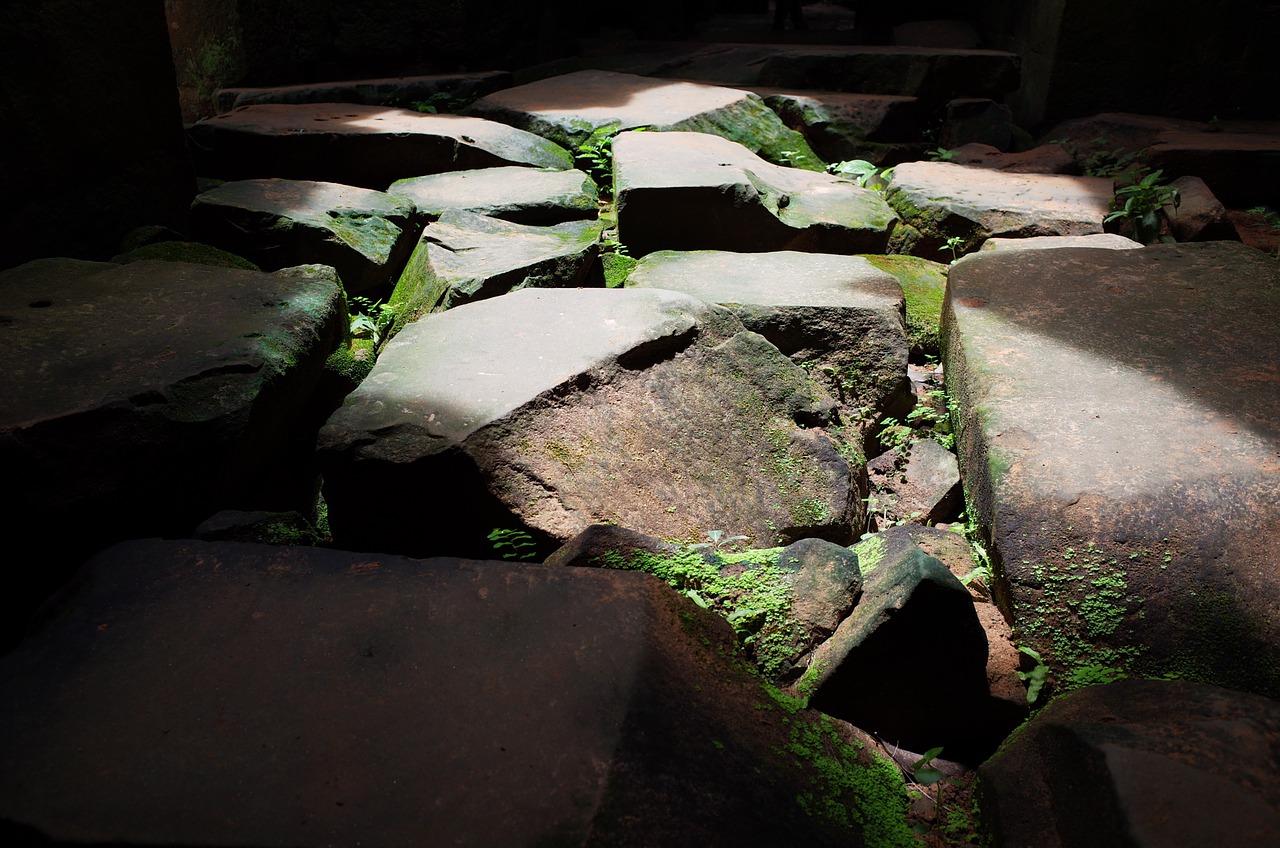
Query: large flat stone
column 464, row 257
column 401, row 92
column 138, row 398
column 369, row 146
column 693, row 191
column 941, row 200
column 1118, row 435
column 549, row 410
column 533, row 196
column 366, row 235
column 228, row 694
column 840, row 125
column 568, row 109
column 837, row 316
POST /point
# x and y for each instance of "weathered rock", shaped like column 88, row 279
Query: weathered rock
column 569, row 109
column 928, row 489
column 244, row 695
column 534, row 196
column 693, row 191
column 837, row 316
column 842, row 126
column 1097, row 241
column 942, row 200
column 464, row 257
column 186, row 251
column 1110, row 132
column 358, row 145
column 1131, row 507
column 1199, row 216
column 923, row 285
column 400, row 92
column 937, row 33
column 269, row 528
column 140, row 397
column 1155, row 763
column 599, row 544
column 976, row 120
column 913, row 632
column 1256, row 228
column 366, row 235
column 550, row 410
column 1242, row 169
column 1044, row 159
column 826, row 585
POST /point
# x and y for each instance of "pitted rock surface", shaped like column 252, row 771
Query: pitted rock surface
column 533, row 196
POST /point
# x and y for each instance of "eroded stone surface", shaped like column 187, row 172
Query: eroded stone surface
column 1097, row 241
column 252, row 695
column 1131, row 497
column 369, row 146
column 843, row 126
column 401, row 92
column 693, row 191
column 534, row 196
column 568, row 109
column 553, row 409
column 366, row 235
column 838, row 316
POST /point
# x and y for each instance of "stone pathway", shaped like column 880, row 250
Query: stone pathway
column 714, row 402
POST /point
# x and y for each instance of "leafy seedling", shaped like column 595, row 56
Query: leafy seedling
column 1036, row 677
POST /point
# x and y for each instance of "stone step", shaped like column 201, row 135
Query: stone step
column 435, row 90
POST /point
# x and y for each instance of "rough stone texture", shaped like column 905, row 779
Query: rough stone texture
column 1199, row 216
column 1153, row 763
column 693, row 191
column 588, row 548
column 401, row 92
column 929, row 488
column 1131, row 499
column 245, row 695
column 366, row 235
column 837, row 316
column 842, row 126
column 942, row 200
column 139, row 396
column 1242, row 169
column 1098, row 241
column 186, row 251
column 1045, row 159
column 534, row 196
column 464, row 257
column 915, row 621
column 568, row 109
column 976, row 120
column 550, row 410
column 1109, row 131
column 826, row 584
column 73, row 186
column 369, row 146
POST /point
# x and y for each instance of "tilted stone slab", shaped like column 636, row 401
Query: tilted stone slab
column 366, row 235
column 838, row 316
column 136, row 397
column 568, row 109
column 232, row 694
column 693, row 191
column 533, row 196
column 842, row 126
column 402, row 92
column 1155, row 763
column 549, row 410
column 465, row 257
column 941, row 200
column 1123, row 454
column 369, row 146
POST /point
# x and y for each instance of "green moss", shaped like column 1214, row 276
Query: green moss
column 870, row 553
column 617, row 268
column 924, row 285
column 188, row 251
column 351, row 364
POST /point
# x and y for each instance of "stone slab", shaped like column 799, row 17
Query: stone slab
column 943, row 200
column 230, row 694
column 465, row 257
column 693, row 191
column 367, row 146
column 1098, row 241
column 838, row 316
column 549, row 410
column 568, row 109
column 534, row 196
column 365, row 235
column 1124, row 452
column 401, row 92
column 1242, row 169
column 841, row 126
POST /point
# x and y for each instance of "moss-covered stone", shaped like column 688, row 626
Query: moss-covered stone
column 924, row 284
column 187, row 251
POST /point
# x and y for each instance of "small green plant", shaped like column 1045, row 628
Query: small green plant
column 979, row 579
column 1093, row 675
column 513, row 544
column 1036, row 677
column 862, row 172
column 716, row 539
column 442, row 102
column 942, row 154
column 894, row 435
column 1142, row 204
column 370, row 319
column 1268, row 215
column 595, row 156
column 955, row 244
column 922, row 771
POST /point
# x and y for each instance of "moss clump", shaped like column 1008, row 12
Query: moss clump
column 924, row 285
column 187, row 251
column 870, row 552
column 349, row 365
column 617, row 268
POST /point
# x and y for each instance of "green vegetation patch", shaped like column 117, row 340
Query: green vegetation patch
column 924, row 285
column 188, row 251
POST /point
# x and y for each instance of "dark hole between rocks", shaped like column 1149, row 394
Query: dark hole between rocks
column 40, row 304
